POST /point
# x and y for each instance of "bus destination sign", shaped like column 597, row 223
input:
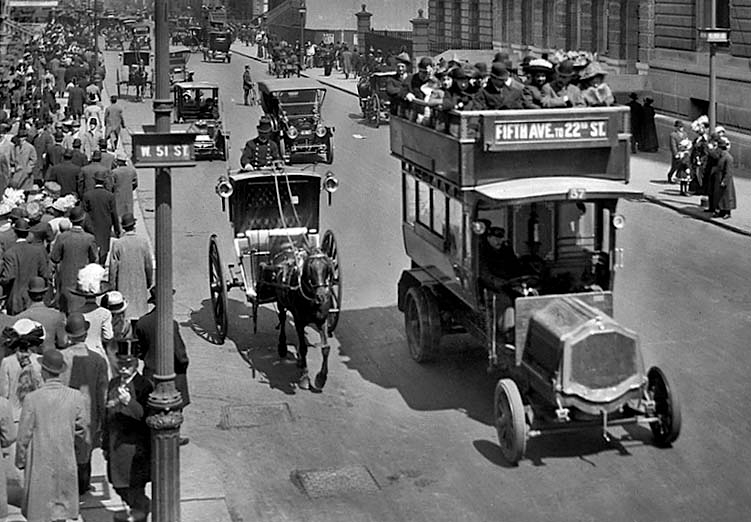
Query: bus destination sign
column 506, row 133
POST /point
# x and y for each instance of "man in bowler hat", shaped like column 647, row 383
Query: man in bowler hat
column 21, row 262
column 99, row 204
column 51, row 319
column 53, row 421
column 73, row 250
column 261, row 151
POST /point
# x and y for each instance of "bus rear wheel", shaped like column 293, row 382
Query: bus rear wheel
column 422, row 323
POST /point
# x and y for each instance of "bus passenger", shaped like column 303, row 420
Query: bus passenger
column 539, row 72
column 595, row 91
column 393, row 85
column 457, row 97
column 563, row 91
column 500, row 92
column 412, row 86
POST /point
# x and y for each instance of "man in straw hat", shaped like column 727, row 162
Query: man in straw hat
column 73, row 250
column 131, row 268
column 53, row 421
column 260, row 151
column 51, row 319
column 87, row 372
column 127, row 438
column 21, row 262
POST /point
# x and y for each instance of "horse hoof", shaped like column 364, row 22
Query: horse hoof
column 320, row 381
column 282, row 351
column 304, row 382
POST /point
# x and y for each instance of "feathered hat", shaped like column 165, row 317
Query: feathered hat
column 89, row 281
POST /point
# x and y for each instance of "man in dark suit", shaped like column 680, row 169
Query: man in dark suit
column 146, row 332
column 501, row 92
column 91, row 171
column 101, row 208
column 67, row 174
column 73, row 250
column 55, row 153
column 21, row 262
column 79, row 158
column 52, row 320
column 76, row 99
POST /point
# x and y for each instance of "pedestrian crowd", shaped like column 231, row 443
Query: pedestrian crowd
column 703, row 165
column 77, row 331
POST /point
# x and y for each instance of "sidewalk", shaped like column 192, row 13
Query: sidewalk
column 202, row 495
column 648, row 170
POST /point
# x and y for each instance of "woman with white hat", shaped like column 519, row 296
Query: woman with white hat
column 99, row 318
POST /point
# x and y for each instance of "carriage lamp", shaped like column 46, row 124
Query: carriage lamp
column 619, row 221
column 330, row 183
column 320, row 131
column 292, row 132
column 224, row 187
column 479, row 228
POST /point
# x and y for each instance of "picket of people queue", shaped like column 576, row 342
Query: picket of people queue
column 76, row 312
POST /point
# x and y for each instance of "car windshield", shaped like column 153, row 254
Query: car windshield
column 298, row 103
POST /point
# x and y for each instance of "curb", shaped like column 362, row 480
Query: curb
column 707, row 219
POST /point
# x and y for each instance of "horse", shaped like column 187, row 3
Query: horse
column 307, row 294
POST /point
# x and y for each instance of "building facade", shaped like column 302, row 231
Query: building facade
column 652, row 46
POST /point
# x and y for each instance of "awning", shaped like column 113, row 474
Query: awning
column 553, row 188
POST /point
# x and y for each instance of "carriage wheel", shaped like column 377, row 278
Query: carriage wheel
column 217, row 289
column 376, row 110
column 330, row 248
column 667, row 408
column 510, row 421
column 422, row 323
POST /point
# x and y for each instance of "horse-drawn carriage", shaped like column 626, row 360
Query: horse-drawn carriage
column 294, row 107
column 374, row 100
column 134, row 71
column 510, row 219
column 281, row 256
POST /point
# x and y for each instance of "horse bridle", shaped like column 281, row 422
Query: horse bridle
column 304, row 283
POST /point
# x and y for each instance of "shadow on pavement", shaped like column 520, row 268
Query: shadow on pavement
column 257, row 350
column 373, row 344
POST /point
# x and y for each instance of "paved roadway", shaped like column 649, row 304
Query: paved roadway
column 425, row 432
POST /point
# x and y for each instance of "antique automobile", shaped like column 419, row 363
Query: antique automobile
column 522, row 254
column 141, row 37
column 178, row 64
column 197, row 109
column 268, row 208
column 217, row 47
column 374, row 100
column 134, row 71
column 294, row 108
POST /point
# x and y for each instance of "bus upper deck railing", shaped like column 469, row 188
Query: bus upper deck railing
column 474, row 147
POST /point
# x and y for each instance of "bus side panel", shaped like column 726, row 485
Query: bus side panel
column 426, row 251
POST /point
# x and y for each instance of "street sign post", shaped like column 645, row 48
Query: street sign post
column 154, row 150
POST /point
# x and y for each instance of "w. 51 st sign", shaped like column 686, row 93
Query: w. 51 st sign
column 151, row 150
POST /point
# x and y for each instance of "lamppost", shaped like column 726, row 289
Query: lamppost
column 714, row 36
column 302, row 10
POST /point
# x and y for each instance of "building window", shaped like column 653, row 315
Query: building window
column 456, row 24
column 473, row 30
column 410, row 200
column 548, row 24
column 600, row 15
column 527, row 22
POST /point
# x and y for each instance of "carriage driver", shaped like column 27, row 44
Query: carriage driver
column 498, row 264
column 260, row 151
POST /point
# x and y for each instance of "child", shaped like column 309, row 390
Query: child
column 683, row 172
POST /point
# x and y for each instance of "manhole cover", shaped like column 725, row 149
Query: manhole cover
column 253, row 416
column 330, row 482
